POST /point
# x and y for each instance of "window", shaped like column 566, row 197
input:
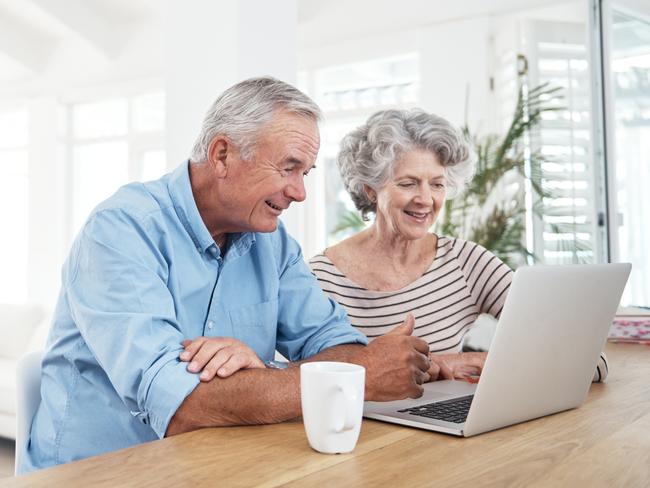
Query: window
column 14, row 204
column 566, row 232
column 113, row 141
column 628, row 163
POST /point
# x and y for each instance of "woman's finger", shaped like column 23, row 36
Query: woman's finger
column 446, row 372
column 434, row 371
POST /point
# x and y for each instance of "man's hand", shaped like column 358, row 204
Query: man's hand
column 396, row 364
column 464, row 366
column 220, row 356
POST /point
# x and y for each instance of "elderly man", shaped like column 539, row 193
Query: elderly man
column 199, row 258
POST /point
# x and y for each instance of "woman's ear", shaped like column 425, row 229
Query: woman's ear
column 370, row 193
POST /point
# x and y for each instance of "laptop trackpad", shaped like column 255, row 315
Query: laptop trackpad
column 443, row 388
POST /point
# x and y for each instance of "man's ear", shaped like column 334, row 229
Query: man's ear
column 218, row 155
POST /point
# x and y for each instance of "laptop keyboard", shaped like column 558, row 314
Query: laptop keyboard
column 454, row 410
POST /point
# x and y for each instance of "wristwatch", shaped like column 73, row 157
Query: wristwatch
column 276, row 364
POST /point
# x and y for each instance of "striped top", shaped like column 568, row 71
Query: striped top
column 463, row 281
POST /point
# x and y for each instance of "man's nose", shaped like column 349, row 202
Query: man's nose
column 296, row 190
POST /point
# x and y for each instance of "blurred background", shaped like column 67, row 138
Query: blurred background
column 97, row 93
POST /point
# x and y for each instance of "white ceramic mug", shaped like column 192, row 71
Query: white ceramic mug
column 332, row 404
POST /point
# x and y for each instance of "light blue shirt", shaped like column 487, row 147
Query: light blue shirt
column 143, row 275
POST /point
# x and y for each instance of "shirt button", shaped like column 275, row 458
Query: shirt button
column 210, row 324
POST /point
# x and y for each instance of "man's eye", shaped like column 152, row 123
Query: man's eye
column 405, row 185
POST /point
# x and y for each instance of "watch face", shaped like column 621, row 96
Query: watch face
column 276, row 364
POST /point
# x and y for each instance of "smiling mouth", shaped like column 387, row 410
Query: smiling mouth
column 417, row 215
column 274, row 207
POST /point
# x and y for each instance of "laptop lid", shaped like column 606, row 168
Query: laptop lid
column 543, row 356
column 552, row 329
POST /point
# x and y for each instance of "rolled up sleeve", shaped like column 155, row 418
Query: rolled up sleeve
column 164, row 392
column 126, row 315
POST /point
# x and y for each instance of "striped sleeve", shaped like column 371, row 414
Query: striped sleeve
column 487, row 276
column 602, row 369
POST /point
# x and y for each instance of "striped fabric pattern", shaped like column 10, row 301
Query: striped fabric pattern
column 463, row 281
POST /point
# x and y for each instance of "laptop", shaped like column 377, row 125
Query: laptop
column 542, row 359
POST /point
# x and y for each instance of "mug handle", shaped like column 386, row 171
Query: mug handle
column 350, row 399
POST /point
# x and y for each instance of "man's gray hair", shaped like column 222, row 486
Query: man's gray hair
column 369, row 153
column 243, row 109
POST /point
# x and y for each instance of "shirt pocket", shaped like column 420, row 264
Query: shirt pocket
column 256, row 326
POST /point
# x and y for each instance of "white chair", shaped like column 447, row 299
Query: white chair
column 28, row 397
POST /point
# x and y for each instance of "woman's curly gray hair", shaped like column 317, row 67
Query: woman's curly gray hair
column 369, row 153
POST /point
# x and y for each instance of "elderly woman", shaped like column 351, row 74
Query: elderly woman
column 400, row 166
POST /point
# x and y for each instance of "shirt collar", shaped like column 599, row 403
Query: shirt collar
column 239, row 244
column 180, row 191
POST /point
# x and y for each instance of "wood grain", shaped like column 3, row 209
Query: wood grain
column 606, row 442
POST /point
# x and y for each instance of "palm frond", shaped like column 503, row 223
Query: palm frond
column 481, row 213
column 351, row 220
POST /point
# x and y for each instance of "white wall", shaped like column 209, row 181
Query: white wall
column 455, row 61
column 200, row 62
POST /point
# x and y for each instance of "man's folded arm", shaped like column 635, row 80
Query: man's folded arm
column 396, row 366
column 251, row 396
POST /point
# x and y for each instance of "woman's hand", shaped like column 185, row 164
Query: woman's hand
column 222, row 356
column 463, row 366
column 439, row 369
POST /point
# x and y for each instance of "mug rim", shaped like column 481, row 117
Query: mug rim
column 332, row 367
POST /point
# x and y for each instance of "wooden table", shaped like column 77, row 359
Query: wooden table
column 604, row 443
